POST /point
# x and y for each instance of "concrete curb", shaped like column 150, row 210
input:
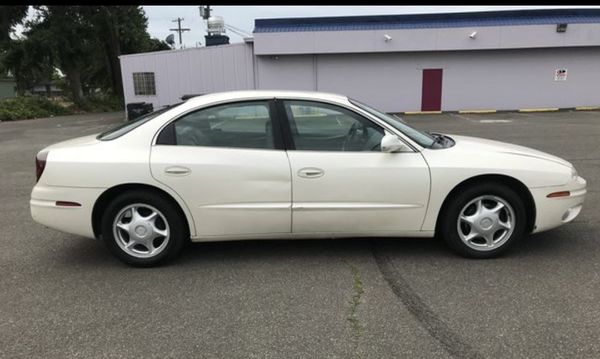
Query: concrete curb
column 484, row 111
column 550, row 109
column 587, row 108
column 477, row 111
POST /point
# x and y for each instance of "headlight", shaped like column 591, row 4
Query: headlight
column 574, row 173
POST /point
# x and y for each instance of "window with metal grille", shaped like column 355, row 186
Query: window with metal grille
column 143, row 84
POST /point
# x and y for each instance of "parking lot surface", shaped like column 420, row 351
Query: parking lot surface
column 66, row 296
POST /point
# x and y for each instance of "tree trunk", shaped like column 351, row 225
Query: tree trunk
column 74, row 80
column 114, row 51
column 20, row 89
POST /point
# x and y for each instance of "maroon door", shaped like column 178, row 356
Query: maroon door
column 431, row 98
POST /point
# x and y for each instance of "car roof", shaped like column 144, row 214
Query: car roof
column 248, row 94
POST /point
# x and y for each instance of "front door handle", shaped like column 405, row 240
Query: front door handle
column 311, row 172
column 177, row 171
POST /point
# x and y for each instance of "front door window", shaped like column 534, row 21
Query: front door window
column 324, row 127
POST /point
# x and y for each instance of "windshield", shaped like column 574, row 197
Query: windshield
column 121, row 129
column 422, row 138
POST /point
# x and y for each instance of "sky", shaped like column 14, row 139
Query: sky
column 242, row 17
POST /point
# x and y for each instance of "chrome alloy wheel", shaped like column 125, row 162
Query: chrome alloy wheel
column 141, row 230
column 486, row 223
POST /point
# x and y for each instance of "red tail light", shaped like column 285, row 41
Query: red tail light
column 40, row 164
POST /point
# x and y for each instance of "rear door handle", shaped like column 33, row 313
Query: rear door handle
column 177, row 171
column 311, row 172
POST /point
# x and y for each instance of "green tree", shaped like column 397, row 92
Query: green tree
column 30, row 61
column 9, row 17
column 84, row 42
column 124, row 32
column 71, row 40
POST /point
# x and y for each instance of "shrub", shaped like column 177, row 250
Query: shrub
column 27, row 107
column 100, row 103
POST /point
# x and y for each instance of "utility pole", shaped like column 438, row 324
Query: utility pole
column 205, row 12
column 179, row 29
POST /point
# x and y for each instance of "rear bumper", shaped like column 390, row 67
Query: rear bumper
column 553, row 212
column 75, row 220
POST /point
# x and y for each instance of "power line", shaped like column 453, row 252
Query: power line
column 235, row 31
column 238, row 29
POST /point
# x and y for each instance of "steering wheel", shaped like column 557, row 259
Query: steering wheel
column 353, row 135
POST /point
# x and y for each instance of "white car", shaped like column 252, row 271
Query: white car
column 279, row 164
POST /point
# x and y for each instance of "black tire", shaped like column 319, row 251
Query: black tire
column 178, row 235
column 448, row 221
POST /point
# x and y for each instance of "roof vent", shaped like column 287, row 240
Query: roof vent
column 561, row 28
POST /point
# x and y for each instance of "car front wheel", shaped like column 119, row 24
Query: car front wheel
column 143, row 229
column 483, row 221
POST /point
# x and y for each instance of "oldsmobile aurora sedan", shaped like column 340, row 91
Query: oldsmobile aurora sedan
column 277, row 164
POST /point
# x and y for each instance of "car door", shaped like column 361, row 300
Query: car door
column 230, row 168
column 342, row 183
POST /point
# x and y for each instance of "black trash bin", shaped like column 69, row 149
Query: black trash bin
column 137, row 109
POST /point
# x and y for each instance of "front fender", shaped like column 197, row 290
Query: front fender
column 450, row 167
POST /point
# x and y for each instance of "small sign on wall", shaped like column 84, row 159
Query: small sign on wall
column 560, row 75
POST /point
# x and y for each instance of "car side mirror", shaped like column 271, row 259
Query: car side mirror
column 391, row 143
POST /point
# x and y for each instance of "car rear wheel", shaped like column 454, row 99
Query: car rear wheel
column 143, row 229
column 483, row 221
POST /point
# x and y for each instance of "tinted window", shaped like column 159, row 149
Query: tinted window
column 125, row 127
column 323, row 127
column 245, row 125
column 420, row 137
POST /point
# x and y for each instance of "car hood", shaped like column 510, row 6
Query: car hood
column 75, row 142
column 478, row 145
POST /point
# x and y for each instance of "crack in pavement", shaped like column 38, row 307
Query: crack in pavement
column 358, row 291
column 430, row 321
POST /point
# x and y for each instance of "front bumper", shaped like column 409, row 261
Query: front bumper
column 553, row 212
column 75, row 220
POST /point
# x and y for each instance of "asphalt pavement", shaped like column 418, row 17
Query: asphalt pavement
column 63, row 296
